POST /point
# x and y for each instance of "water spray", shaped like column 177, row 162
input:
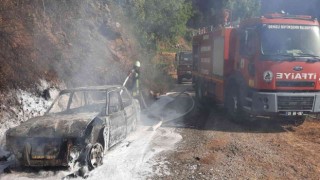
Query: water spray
column 126, row 80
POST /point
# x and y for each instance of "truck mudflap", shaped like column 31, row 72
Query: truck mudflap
column 284, row 103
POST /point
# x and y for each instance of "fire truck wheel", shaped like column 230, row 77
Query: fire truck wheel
column 199, row 93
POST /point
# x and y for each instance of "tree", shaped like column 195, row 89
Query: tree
column 243, row 8
column 209, row 12
column 160, row 20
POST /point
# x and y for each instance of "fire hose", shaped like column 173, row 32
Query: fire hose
column 185, row 113
column 174, row 99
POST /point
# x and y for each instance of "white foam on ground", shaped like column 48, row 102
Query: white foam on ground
column 132, row 159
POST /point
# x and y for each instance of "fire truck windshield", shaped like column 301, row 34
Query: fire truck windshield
column 290, row 40
column 185, row 58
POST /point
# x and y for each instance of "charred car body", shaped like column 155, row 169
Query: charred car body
column 80, row 126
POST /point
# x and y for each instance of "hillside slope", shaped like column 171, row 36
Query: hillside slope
column 74, row 41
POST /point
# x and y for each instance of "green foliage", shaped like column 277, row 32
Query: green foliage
column 209, row 12
column 166, row 20
column 156, row 77
column 160, row 20
column 243, row 8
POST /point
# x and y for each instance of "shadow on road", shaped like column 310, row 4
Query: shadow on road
column 215, row 119
column 212, row 117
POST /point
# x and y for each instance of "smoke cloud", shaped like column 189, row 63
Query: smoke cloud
column 89, row 46
column 298, row 7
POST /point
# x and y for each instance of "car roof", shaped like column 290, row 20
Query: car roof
column 93, row 88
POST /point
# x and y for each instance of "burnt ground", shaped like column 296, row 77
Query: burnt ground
column 215, row 148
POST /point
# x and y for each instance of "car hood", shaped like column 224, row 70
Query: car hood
column 54, row 126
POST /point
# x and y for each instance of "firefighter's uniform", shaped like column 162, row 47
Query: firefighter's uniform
column 135, row 74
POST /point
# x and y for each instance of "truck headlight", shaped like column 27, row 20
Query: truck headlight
column 267, row 76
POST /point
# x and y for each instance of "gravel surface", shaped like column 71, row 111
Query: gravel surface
column 212, row 147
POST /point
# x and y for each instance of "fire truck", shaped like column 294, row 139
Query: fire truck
column 184, row 65
column 264, row 67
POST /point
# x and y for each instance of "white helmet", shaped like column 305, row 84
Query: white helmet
column 137, row 63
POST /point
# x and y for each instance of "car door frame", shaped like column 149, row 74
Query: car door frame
column 130, row 111
column 117, row 121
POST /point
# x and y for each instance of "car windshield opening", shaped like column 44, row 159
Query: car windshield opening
column 80, row 102
column 290, row 41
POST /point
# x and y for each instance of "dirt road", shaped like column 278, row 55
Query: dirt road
column 212, row 147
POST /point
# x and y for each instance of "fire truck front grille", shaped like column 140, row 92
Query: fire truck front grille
column 294, row 84
column 295, row 103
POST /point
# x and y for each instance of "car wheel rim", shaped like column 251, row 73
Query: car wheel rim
column 96, row 155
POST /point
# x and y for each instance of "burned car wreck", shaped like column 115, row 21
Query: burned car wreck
column 80, row 126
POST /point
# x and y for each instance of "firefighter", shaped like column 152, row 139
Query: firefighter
column 135, row 76
column 134, row 86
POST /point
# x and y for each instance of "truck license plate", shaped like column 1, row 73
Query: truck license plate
column 294, row 113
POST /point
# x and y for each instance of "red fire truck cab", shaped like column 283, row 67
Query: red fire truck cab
column 266, row 66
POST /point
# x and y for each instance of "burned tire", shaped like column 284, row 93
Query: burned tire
column 199, row 93
column 94, row 155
